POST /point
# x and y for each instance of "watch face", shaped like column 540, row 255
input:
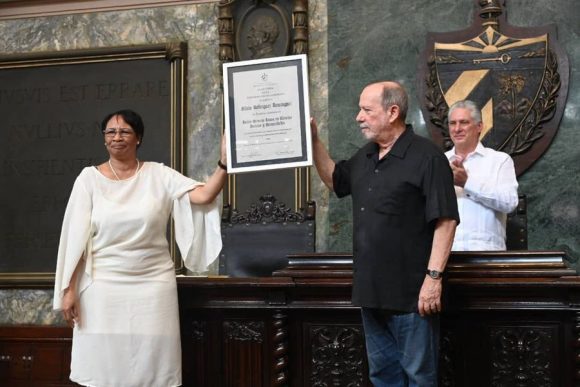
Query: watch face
column 434, row 274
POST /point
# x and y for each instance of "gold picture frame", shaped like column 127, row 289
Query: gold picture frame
column 52, row 104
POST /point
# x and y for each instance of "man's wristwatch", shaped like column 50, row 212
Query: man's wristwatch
column 434, row 274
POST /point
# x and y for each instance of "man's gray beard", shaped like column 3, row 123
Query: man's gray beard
column 366, row 135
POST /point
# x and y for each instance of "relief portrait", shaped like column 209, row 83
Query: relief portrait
column 263, row 33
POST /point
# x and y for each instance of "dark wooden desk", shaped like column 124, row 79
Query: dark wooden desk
column 35, row 356
column 510, row 319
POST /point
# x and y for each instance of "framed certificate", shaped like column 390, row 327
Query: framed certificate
column 267, row 114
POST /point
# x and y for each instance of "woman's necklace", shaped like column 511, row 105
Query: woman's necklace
column 115, row 173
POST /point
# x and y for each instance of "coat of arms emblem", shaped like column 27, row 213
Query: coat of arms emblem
column 518, row 77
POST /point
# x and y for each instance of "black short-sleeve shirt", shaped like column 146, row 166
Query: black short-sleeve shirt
column 396, row 203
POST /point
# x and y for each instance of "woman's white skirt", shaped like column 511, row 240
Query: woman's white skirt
column 128, row 335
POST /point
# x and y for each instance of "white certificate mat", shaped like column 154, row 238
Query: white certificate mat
column 267, row 114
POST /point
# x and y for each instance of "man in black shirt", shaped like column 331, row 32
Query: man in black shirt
column 404, row 219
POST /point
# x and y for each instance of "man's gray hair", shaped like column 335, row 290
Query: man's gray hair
column 469, row 105
column 396, row 96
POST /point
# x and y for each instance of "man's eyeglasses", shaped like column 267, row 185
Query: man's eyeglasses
column 122, row 132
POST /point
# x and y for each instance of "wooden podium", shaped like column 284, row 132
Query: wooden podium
column 510, row 319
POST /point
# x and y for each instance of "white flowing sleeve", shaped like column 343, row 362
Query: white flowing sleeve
column 197, row 232
column 74, row 241
column 197, row 227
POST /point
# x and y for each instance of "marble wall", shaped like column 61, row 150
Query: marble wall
column 371, row 40
column 351, row 43
column 195, row 24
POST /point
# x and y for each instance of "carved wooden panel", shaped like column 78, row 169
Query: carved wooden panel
column 198, row 330
column 239, row 330
column 243, row 353
column 448, row 348
column 523, row 356
column 197, row 352
column 338, row 356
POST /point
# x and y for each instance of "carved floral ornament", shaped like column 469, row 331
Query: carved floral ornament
column 517, row 76
column 267, row 210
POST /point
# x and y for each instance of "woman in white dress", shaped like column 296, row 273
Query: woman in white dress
column 115, row 280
